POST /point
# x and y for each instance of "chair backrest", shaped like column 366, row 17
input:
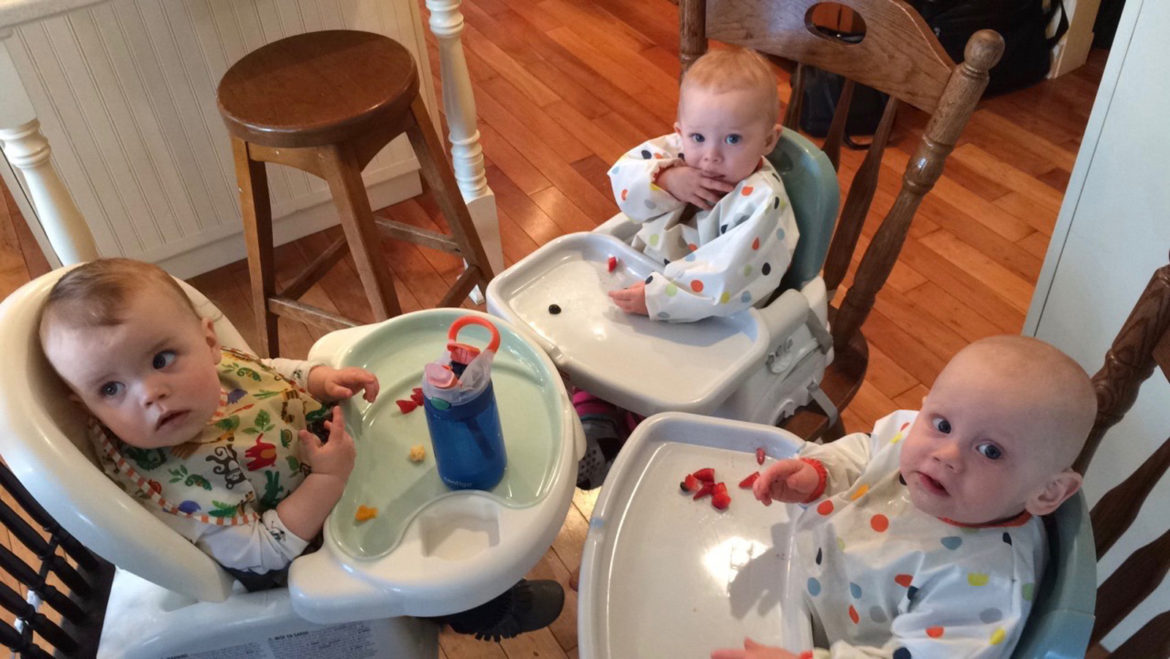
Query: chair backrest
column 43, row 441
column 1142, row 344
column 899, row 55
column 811, row 183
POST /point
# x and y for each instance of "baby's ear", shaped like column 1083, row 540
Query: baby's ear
column 1056, row 491
column 677, row 128
column 773, row 139
column 211, row 338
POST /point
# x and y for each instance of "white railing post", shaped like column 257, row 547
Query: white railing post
column 446, row 22
column 27, row 150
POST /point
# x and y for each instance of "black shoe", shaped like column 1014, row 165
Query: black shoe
column 602, row 442
column 526, row 607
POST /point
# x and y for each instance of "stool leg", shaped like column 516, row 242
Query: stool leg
column 437, row 173
column 344, row 176
column 252, row 180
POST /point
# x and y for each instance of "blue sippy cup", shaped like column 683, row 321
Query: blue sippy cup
column 461, row 413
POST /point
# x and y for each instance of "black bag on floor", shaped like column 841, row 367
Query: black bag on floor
column 819, row 101
column 1022, row 24
column 821, row 91
column 1026, row 56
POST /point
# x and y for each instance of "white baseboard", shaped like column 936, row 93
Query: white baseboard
column 231, row 247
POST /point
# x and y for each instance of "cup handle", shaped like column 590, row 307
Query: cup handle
column 464, row 321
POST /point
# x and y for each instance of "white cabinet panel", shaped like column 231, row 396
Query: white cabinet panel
column 125, row 93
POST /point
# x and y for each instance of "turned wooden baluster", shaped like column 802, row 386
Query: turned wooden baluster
column 446, row 22
column 861, row 191
column 1129, row 361
column 963, row 89
column 692, row 32
column 1142, row 344
column 792, row 111
column 836, row 135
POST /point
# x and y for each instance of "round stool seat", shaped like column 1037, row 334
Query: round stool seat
column 317, row 88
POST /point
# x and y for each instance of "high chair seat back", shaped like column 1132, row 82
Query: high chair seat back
column 811, row 183
column 1062, row 615
column 43, row 440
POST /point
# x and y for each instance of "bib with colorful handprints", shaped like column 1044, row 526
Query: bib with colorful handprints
column 244, row 462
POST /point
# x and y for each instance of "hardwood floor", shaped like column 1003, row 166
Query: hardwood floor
column 563, row 88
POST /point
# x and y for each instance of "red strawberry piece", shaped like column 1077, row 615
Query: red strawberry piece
column 611, row 264
column 747, row 482
column 689, row 484
column 705, row 490
column 707, row 475
column 416, row 395
column 407, row 406
column 721, row 501
column 760, row 455
column 720, row 488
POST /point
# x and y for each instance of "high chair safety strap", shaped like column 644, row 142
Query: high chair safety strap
column 819, row 331
column 826, row 404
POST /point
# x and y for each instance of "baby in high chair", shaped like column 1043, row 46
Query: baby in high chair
column 214, row 441
column 732, row 253
column 922, row 539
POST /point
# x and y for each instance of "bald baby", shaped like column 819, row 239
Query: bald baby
column 1055, row 392
column 998, row 432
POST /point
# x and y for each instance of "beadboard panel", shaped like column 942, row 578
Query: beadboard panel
column 125, row 93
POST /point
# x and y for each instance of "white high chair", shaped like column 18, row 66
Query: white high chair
column 759, row 365
column 167, row 593
column 728, row 571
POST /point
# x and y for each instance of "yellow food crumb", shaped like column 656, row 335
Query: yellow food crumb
column 417, row 453
column 364, row 512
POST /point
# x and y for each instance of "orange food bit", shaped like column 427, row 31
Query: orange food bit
column 364, row 513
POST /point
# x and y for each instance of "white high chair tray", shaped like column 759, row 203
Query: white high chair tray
column 637, row 363
column 431, row 550
column 664, row 575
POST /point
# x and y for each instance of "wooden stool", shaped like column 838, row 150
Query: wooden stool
column 326, row 103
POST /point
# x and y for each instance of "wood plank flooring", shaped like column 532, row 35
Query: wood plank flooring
column 563, row 88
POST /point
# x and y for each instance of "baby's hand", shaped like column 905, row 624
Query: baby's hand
column 327, row 383
column 692, row 186
column 334, row 457
column 632, row 299
column 790, row 481
column 752, row 650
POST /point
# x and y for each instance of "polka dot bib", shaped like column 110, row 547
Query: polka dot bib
column 878, row 573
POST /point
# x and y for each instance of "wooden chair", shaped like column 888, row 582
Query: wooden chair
column 898, row 55
column 326, row 103
column 1142, row 344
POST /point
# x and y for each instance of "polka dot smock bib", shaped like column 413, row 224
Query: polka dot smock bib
column 720, row 262
column 882, row 578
